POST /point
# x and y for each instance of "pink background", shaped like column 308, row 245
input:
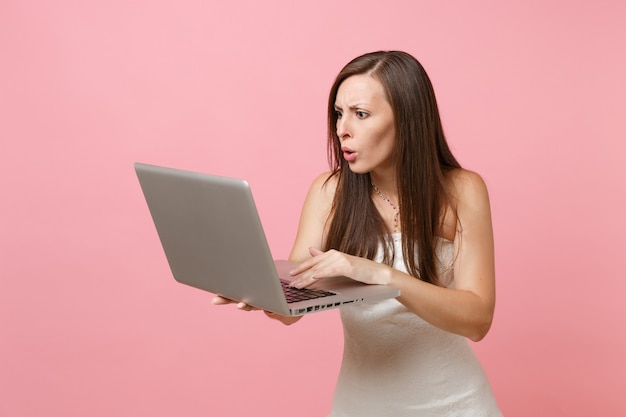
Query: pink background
column 532, row 95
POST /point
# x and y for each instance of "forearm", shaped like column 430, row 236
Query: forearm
column 454, row 310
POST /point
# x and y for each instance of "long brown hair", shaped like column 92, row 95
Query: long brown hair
column 422, row 155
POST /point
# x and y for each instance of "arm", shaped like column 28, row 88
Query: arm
column 467, row 309
column 312, row 225
column 314, row 218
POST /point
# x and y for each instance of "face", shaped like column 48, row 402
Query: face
column 365, row 125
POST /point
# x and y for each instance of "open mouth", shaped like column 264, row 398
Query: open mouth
column 348, row 154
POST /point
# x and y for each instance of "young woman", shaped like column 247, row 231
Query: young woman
column 397, row 209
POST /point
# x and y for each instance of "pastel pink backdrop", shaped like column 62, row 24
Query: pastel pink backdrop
column 92, row 324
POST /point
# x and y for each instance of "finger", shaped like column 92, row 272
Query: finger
column 306, row 265
column 307, row 279
column 315, row 252
column 245, row 307
column 219, row 300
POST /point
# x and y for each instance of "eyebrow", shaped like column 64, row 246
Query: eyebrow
column 352, row 107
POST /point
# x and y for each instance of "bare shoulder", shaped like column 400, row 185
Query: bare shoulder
column 467, row 187
column 323, row 188
column 325, row 181
column 471, row 204
column 316, row 212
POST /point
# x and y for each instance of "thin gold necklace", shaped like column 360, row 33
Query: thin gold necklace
column 396, row 210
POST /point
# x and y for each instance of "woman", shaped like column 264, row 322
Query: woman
column 397, row 209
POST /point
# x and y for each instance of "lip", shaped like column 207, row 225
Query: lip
column 348, row 153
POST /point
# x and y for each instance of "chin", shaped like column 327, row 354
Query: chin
column 355, row 168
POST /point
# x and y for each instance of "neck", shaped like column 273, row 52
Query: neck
column 387, row 189
column 386, row 184
column 395, row 208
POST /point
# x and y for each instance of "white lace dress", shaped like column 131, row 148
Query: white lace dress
column 396, row 364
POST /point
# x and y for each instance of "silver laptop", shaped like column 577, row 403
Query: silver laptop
column 212, row 236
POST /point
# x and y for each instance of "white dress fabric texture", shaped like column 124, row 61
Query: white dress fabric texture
column 395, row 364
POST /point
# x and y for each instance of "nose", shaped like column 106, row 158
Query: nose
column 342, row 127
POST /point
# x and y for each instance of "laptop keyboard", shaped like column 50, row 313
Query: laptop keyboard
column 301, row 294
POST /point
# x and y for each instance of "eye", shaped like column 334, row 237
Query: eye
column 361, row 114
column 338, row 113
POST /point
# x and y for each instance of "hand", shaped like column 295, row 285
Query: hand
column 334, row 263
column 219, row 300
